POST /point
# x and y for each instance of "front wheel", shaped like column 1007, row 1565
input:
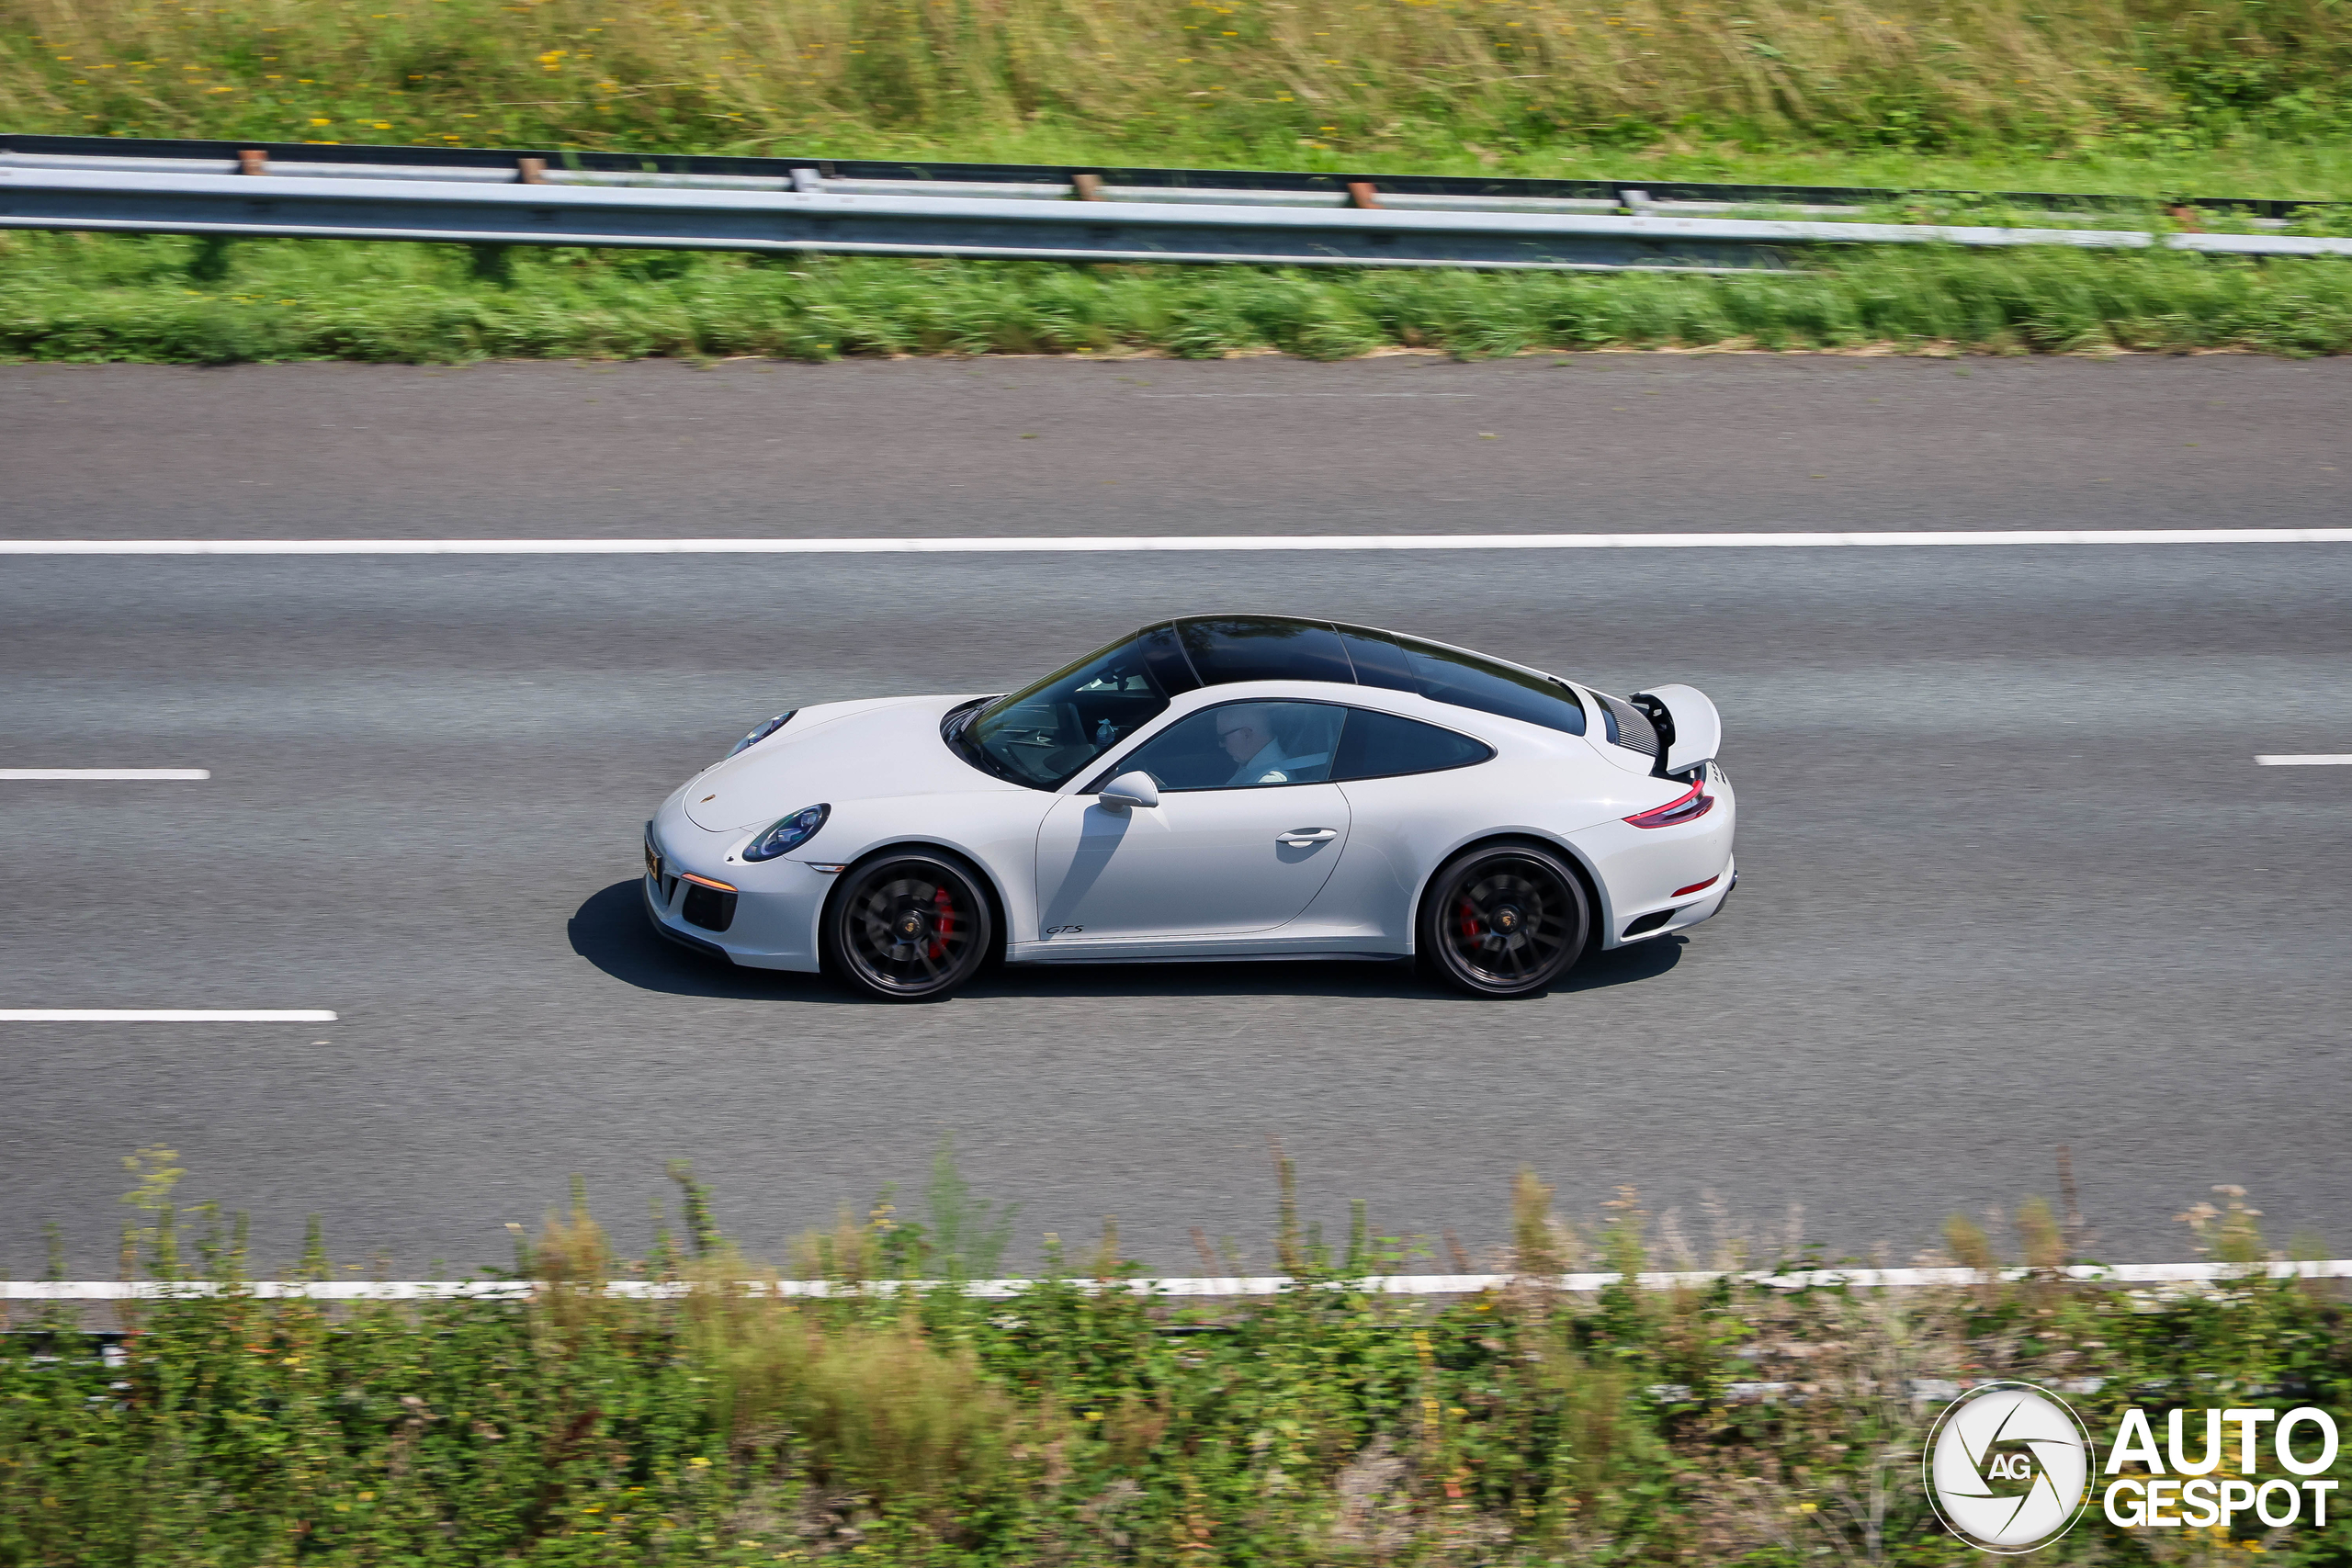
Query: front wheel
column 1504, row 922
column 907, row 927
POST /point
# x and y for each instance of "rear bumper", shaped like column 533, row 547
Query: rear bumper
column 1680, row 915
column 1646, row 874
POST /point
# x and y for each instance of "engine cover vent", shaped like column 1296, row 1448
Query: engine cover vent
column 1628, row 726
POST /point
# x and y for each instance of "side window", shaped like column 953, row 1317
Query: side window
column 1242, row 746
column 1381, row 745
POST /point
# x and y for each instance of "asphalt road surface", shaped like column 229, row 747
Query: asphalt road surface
column 1408, row 445
column 2011, row 878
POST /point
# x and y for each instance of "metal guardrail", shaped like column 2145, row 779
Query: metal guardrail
column 468, row 197
column 787, row 222
column 854, row 175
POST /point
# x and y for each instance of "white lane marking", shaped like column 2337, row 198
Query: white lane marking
column 1304, row 394
column 22, row 773
column 166, row 1015
column 1237, row 1285
column 2314, row 759
column 1118, row 545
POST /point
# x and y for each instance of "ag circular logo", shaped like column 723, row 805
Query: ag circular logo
column 2008, row 1465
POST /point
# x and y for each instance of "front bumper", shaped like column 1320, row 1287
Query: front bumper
column 662, row 927
column 769, row 921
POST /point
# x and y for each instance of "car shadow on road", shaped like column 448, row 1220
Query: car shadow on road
column 610, row 931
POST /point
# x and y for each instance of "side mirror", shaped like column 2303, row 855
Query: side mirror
column 1130, row 789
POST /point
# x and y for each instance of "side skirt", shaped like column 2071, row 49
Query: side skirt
column 1043, row 959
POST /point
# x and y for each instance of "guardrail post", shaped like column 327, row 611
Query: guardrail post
column 1086, row 188
column 808, row 182
column 211, row 263
column 1363, row 193
column 531, row 171
column 492, row 263
column 252, row 161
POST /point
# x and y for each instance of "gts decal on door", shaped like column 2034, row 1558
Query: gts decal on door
column 1062, row 931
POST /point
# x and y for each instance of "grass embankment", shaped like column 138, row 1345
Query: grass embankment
column 1459, row 81
column 177, row 300
column 1718, row 1424
column 2150, row 98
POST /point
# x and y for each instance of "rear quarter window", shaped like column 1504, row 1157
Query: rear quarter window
column 1382, row 745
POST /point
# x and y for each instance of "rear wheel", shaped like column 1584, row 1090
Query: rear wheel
column 1506, row 921
column 907, row 927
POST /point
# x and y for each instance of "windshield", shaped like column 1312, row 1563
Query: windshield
column 1044, row 733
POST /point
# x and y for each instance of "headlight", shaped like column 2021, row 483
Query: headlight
column 761, row 733
column 788, row 833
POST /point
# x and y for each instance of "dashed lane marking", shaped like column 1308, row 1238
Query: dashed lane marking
column 166, row 1015
column 41, row 773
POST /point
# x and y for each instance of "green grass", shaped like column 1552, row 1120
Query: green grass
column 87, row 297
column 2229, row 87
column 1066, row 1427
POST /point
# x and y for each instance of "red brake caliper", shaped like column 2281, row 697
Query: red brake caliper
column 1469, row 922
column 946, row 926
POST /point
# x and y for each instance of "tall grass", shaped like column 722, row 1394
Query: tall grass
column 1266, row 79
column 94, row 298
column 729, row 1425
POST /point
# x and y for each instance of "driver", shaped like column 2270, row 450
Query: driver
column 1246, row 731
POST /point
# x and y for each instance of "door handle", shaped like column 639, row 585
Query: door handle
column 1297, row 836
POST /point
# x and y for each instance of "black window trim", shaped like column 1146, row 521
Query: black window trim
column 1094, row 786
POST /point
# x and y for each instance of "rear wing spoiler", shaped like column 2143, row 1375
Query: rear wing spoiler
column 1687, row 725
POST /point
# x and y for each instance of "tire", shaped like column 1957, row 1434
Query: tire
column 1504, row 920
column 907, row 927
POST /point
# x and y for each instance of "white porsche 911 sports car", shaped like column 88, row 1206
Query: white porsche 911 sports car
column 1213, row 788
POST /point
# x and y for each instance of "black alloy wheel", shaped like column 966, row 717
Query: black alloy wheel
column 907, row 927
column 1504, row 922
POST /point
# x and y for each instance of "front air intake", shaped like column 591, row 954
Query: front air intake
column 707, row 908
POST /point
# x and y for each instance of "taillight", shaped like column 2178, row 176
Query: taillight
column 1686, row 807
